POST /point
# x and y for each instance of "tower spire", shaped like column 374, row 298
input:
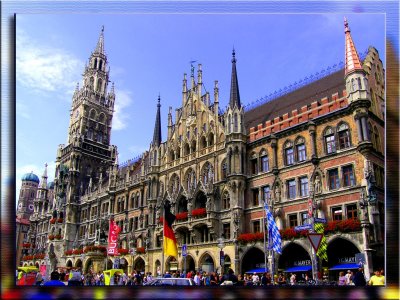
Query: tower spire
column 351, row 56
column 43, row 183
column 100, row 42
column 157, row 126
column 234, row 96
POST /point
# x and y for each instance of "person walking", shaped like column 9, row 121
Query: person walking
column 197, row 278
column 54, row 280
column 342, row 279
column 359, row 278
column 292, row 279
column 39, row 278
column 255, row 278
column 377, row 279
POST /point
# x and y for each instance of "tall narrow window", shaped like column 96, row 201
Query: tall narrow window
column 227, row 230
column 254, row 165
column 351, row 211
column 344, row 136
column 264, row 163
column 291, row 188
column 266, row 193
column 329, row 137
column 256, row 226
column 289, row 154
column 224, row 169
column 235, row 122
column 301, row 152
column 255, row 197
column 304, row 217
column 333, row 179
column 292, row 220
column 304, row 186
column 348, row 176
column 226, row 201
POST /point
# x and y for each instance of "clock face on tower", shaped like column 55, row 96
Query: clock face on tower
column 31, row 207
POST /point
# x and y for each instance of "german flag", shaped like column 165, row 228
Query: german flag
column 170, row 245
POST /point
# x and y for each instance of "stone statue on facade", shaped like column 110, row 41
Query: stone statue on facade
column 317, row 184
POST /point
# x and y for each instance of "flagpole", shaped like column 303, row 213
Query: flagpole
column 265, row 250
column 272, row 250
column 162, row 257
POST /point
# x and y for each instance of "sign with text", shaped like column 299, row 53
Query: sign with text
column 319, row 220
column 184, row 250
column 315, row 240
column 310, row 207
column 303, row 227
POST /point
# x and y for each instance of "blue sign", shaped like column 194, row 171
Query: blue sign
column 303, row 227
column 184, row 250
column 319, row 220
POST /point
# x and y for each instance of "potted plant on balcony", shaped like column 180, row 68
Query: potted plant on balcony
column 140, row 250
column 58, row 236
column 123, row 251
column 51, row 237
column 199, row 212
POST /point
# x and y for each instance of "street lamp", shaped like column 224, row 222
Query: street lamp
column 221, row 246
column 132, row 251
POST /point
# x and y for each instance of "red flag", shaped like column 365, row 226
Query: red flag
column 113, row 233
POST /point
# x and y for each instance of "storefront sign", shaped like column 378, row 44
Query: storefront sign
column 302, row 263
column 346, row 260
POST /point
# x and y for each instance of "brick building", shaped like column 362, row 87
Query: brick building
column 318, row 142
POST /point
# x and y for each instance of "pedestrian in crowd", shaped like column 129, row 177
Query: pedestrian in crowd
column 230, row 276
column 75, row 278
column 255, row 278
column 269, row 279
column 39, row 278
column 359, row 278
column 342, row 279
column 149, row 277
column 348, row 277
column 292, row 279
column 377, row 279
column 167, row 275
column 197, row 278
column 264, row 279
column 281, row 279
column 240, row 280
column 54, row 280
column 214, row 279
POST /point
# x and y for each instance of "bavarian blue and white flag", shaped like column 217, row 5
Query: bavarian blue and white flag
column 274, row 237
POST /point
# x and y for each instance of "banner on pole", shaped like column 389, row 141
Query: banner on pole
column 113, row 233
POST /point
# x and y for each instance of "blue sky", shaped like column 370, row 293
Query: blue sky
column 148, row 54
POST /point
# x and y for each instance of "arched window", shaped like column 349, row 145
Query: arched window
column 289, row 153
column 95, row 63
column 155, row 157
column 329, row 138
column 178, row 153
column 210, row 139
column 100, row 137
column 235, row 122
column 100, row 64
column 344, row 136
column 266, row 193
column 301, row 149
column 224, row 169
column 353, row 85
column 171, row 155
column 264, row 161
column 186, row 149
column 99, row 85
column 208, row 173
column 228, row 127
column 377, row 139
column 226, row 200
column 193, row 146
column 203, row 142
column 359, row 83
column 90, row 134
column 91, row 81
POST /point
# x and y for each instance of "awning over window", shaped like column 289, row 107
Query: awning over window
column 298, row 269
column 344, row 267
column 257, row 270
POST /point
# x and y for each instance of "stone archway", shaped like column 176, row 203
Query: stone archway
column 190, row 264
column 139, row 264
column 295, row 258
column 252, row 259
column 157, row 268
column 171, row 264
column 69, row 264
column 200, row 200
column 206, row 263
column 78, row 264
column 341, row 256
column 109, row 264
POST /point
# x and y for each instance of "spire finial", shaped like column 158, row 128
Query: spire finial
column 100, row 43
column 157, row 125
column 346, row 25
column 233, row 54
column 234, row 95
column 159, row 100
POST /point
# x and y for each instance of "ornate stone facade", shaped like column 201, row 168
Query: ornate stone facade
column 217, row 168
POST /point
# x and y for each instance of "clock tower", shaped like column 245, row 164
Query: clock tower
column 87, row 157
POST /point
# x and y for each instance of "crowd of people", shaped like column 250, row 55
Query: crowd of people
column 77, row 278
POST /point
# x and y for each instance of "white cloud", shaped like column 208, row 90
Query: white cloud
column 122, row 101
column 42, row 68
